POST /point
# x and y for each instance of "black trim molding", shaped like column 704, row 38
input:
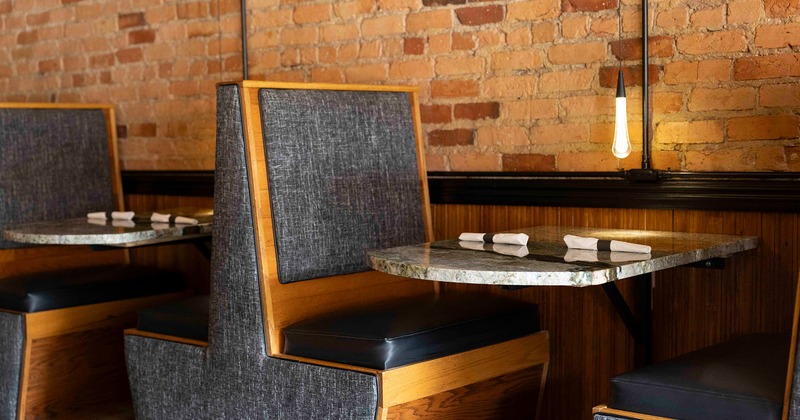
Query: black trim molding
column 728, row 191
column 724, row 191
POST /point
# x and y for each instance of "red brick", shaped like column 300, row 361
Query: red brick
column 130, row 20
column 702, row 99
column 129, row 55
column 560, row 133
column 587, row 5
column 78, row 80
column 192, row 10
column 505, row 136
column 102, row 60
column 533, row 10
column 765, row 158
column 147, row 129
column 456, row 137
column 478, row 161
column 631, row 49
column 516, row 60
column 704, row 71
column 475, row 16
column 429, row 20
column 529, row 163
column 314, row 13
column 435, row 114
column 778, row 36
column 781, row 8
column 414, row 46
column 787, row 95
column 5, row 7
column 567, row 80
column 792, row 154
column 589, row 52
column 679, row 132
column 531, row 109
column 712, row 42
column 632, row 75
column 766, row 67
column 35, row 19
column 511, row 86
column 463, row 41
column 764, row 127
column 28, row 37
column 143, row 36
column 477, row 111
column 49, row 66
column 454, row 88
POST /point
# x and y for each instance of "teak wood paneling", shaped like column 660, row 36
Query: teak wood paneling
column 179, row 256
column 692, row 307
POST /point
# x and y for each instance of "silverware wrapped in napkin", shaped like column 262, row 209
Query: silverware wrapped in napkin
column 495, row 238
column 579, row 242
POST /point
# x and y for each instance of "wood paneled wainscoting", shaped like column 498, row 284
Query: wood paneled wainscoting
column 692, row 307
column 160, row 190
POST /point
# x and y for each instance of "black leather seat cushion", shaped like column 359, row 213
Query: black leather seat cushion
column 83, row 286
column 743, row 378
column 187, row 318
column 409, row 330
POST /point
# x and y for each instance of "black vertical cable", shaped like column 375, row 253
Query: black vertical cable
column 244, row 39
column 645, row 90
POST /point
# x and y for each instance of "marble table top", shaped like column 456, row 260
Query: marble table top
column 549, row 262
column 114, row 233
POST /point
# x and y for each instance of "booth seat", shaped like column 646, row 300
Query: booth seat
column 307, row 179
column 63, row 308
column 754, row 376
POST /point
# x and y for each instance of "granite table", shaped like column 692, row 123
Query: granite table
column 108, row 233
column 546, row 261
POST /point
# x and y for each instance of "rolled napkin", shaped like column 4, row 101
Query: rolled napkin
column 111, row 215
column 496, row 238
column 586, row 255
column 123, row 223
column 505, row 249
column 578, row 242
column 168, row 218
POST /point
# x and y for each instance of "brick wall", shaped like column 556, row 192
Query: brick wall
column 505, row 85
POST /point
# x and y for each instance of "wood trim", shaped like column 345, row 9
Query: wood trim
column 603, row 409
column 414, row 381
column 165, row 337
column 54, row 105
column 78, row 318
column 285, row 304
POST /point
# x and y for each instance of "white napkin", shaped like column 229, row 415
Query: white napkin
column 496, row 238
column 578, row 242
column 123, row 223
column 166, row 218
column 505, row 249
column 586, row 255
column 114, row 215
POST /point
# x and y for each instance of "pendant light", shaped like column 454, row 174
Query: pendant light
column 621, row 147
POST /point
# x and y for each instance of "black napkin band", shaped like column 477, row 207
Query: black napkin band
column 603, row 245
column 487, row 238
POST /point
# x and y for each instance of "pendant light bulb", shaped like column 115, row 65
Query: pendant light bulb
column 622, row 142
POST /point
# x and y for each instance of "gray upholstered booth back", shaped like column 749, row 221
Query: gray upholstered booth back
column 794, row 398
column 344, row 163
column 12, row 331
column 53, row 165
column 233, row 377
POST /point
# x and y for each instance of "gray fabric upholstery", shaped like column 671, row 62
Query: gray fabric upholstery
column 234, row 377
column 12, row 331
column 343, row 178
column 53, row 165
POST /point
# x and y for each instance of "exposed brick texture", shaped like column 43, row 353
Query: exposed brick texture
column 456, row 137
column 521, row 85
column 477, row 111
column 480, row 15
